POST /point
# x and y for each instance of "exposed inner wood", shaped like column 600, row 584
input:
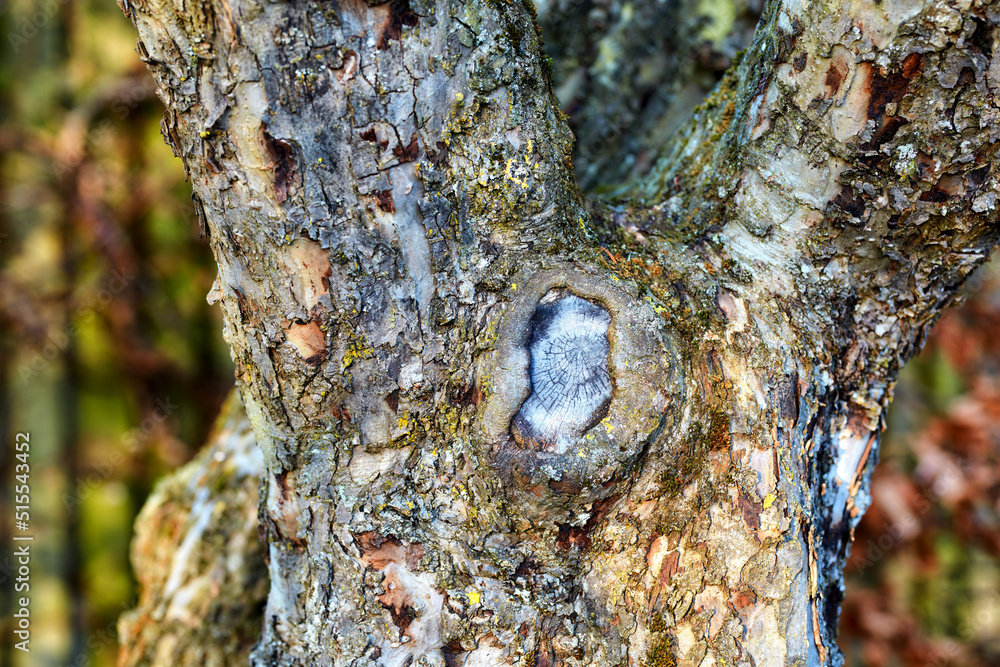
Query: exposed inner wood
column 570, row 382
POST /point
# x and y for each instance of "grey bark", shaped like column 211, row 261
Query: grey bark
column 389, row 194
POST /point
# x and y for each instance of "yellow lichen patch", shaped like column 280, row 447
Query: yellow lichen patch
column 769, row 500
column 308, row 339
column 356, row 350
column 517, row 173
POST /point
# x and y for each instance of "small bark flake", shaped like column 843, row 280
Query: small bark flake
column 309, row 341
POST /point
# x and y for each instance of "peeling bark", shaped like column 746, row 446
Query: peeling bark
column 389, row 194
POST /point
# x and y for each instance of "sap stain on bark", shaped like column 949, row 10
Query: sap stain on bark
column 570, row 383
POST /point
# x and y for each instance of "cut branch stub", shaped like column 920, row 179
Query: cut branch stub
column 579, row 382
column 570, row 383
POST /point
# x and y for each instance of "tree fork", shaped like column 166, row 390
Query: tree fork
column 389, row 194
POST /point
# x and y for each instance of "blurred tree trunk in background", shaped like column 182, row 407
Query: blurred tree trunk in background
column 102, row 316
column 506, row 424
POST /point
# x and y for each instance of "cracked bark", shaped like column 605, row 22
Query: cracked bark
column 389, row 194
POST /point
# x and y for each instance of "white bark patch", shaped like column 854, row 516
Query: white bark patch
column 762, row 461
column 244, row 129
column 199, row 517
column 733, row 545
column 406, row 191
column 735, row 311
column 484, row 656
column 411, row 600
column 764, row 639
column 780, row 204
column 712, row 600
column 365, row 467
column 849, row 117
column 571, row 384
column 422, row 637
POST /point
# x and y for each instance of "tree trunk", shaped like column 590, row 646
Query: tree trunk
column 504, row 424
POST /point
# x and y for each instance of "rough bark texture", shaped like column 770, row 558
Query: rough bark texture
column 389, row 194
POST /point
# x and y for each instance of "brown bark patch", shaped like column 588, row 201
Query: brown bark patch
column 400, row 14
column 454, row 654
column 309, row 341
column 835, row 76
column 527, row 568
column 751, row 509
column 466, row 395
column 671, row 566
column 392, row 400
column 350, row 67
column 718, row 431
column 975, row 179
column 911, row 65
column 371, row 134
column 849, row 203
column 285, row 517
column 379, row 551
column 572, row 537
column 579, row 537
column 439, row 156
column 886, row 132
column 885, row 90
column 281, row 479
column 948, row 186
column 409, row 152
column 282, row 156
column 384, row 201
column 544, row 655
column 787, row 397
column 740, row 600
column 397, row 601
column 567, row 484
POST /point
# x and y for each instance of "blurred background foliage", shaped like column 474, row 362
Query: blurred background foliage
column 110, row 357
column 112, row 360
column 923, row 580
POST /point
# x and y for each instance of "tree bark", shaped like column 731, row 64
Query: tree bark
column 505, row 424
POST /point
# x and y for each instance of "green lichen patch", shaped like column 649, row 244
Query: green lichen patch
column 660, row 652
